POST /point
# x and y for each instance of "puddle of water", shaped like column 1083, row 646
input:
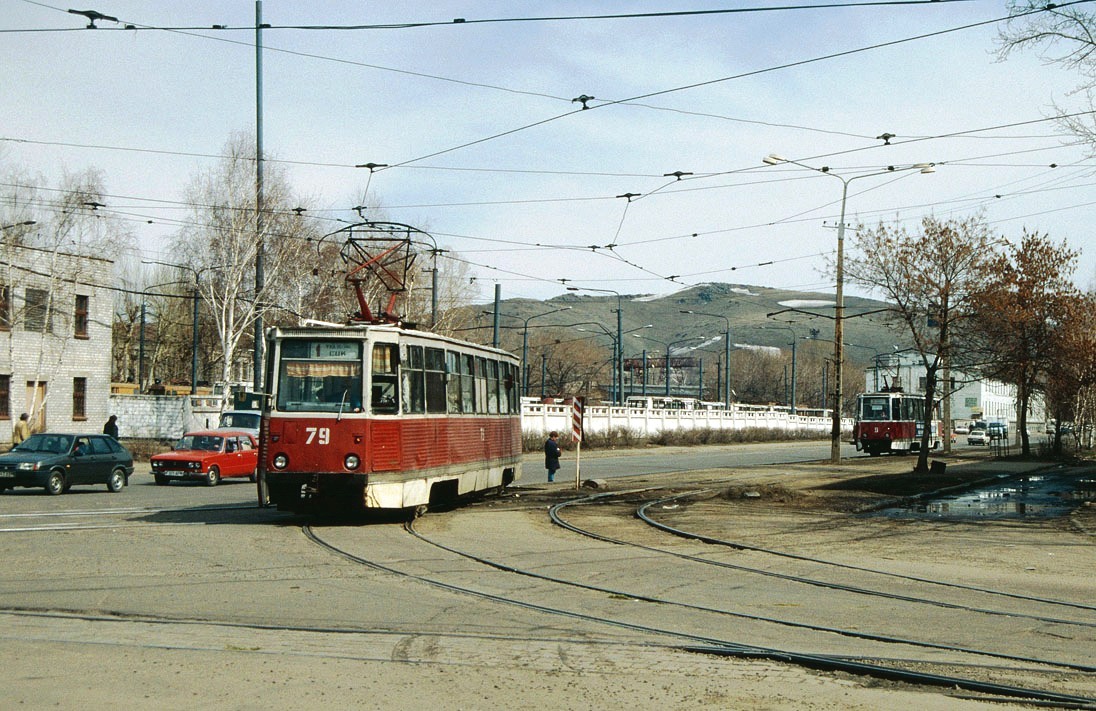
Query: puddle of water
column 1043, row 496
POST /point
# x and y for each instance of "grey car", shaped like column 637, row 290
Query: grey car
column 56, row 462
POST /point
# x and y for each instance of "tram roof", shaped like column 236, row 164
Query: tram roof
column 365, row 329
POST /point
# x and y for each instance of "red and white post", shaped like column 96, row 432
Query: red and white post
column 576, row 434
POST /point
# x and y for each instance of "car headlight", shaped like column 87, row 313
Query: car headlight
column 352, row 461
column 28, row 466
column 194, row 465
column 281, row 461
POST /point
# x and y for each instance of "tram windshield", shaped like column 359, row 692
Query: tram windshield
column 875, row 408
column 320, row 376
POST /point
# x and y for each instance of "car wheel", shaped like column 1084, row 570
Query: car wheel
column 55, row 485
column 253, row 477
column 213, row 476
column 117, row 481
column 161, row 480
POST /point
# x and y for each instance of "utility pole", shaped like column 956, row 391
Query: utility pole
column 257, row 363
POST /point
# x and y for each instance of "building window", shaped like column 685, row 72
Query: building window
column 37, row 311
column 5, row 397
column 80, row 318
column 79, row 398
column 5, row 308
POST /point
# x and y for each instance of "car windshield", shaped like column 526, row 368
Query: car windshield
column 247, row 420
column 207, row 443
column 49, row 443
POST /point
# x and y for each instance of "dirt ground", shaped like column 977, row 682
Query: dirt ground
column 87, row 661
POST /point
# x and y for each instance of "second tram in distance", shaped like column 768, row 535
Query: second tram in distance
column 892, row 422
column 383, row 417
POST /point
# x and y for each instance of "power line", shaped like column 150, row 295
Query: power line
column 462, row 21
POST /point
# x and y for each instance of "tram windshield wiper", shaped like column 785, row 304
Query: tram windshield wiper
column 342, row 404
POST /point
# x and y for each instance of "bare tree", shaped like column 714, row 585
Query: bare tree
column 224, row 236
column 61, row 222
column 932, row 279
column 1061, row 35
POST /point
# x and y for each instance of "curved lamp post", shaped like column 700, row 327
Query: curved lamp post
column 618, row 348
column 194, row 329
column 525, row 347
column 726, row 354
column 839, row 308
column 669, row 348
column 618, row 357
column 794, row 339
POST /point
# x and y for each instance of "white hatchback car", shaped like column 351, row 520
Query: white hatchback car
column 979, row 436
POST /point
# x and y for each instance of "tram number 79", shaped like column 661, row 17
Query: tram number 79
column 321, row 435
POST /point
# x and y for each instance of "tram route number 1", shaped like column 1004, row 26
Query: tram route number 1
column 321, row 435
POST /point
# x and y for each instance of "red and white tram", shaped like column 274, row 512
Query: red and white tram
column 378, row 416
column 893, row 421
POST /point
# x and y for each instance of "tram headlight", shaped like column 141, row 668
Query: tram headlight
column 352, row 461
column 281, row 461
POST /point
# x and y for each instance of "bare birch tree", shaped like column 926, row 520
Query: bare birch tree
column 223, row 238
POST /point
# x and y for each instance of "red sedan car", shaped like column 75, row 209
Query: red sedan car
column 209, row 455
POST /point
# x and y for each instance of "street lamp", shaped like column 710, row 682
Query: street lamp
column 194, row 328
column 141, row 347
column 525, row 347
column 794, row 339
column 669, row 349
column 726, row 355
column 839, row 308
column 618, row 357
column 618, row 348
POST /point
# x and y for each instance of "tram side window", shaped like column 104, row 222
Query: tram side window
column 384, row 396
column 452, row 386
column 493, row 387
column 913, row 409
column 467, row 383
column 504, row 388
column 481, row 385
column 435, row 380
column 510, row 384
column 414, row 380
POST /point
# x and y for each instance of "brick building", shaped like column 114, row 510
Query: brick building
column 55, row 339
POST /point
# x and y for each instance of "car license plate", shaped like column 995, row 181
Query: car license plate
column 7, row 475
column 173, row 473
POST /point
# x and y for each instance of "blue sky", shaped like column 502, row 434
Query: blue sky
column 526, row 208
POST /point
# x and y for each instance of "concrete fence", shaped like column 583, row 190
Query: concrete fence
column 163, row 416
column 541, row 418
column 170, row 416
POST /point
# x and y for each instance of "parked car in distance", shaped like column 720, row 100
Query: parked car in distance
column 997, row 430
column 961, row 429
column 246, row 420
column 208, row 455
column 57, row 462
column 978, row 436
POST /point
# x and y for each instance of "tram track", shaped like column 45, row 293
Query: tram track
column 641, row 514
column 704, row 643
column 843, row 587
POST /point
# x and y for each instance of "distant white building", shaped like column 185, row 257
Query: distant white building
column 56, row 312
column 971, row 398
